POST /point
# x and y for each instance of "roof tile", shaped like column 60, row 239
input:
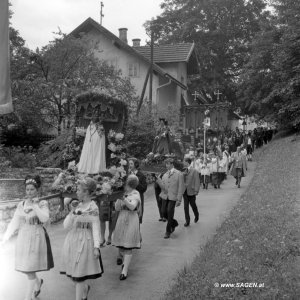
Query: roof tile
column 168, row 53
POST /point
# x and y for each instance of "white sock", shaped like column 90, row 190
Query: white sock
column 37, row 284
column 30, row 288
column 80, row 286
column 127, row 260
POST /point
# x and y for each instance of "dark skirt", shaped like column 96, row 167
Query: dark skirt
column 237, row 172
column 204, row 178
column 249, row 149
column 215, row 178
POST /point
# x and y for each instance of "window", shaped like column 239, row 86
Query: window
column 133, row 69
column 113, row 62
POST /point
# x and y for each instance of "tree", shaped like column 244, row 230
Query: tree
column 270, row 83
column 222, row 32
column 67, row 67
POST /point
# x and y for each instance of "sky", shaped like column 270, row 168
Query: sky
column 36, row 20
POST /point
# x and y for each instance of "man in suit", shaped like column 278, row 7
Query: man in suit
column 239, row 166
column 134, row 168
column 191, row 186
column 172, row 186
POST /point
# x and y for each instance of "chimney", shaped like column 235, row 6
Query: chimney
column 136, row 42
column 123, row 34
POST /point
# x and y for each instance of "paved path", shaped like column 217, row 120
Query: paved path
column 153, row 267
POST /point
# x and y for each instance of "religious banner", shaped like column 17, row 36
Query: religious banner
column 5, row 90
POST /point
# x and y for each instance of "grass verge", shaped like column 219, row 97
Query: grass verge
column 259, row 242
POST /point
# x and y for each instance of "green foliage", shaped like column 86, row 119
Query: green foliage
column 45, row 82
column 16, row 157
column 221, row 30
column 270, row 83
column 141, row 129
column 5, row 164
column 140, row 134
column 60, row 151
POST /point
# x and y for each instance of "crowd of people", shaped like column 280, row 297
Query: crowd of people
column 80, row 255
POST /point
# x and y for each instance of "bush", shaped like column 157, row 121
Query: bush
column 141, row 130
column 59, row 152
column 140, row 134
column 16, row 157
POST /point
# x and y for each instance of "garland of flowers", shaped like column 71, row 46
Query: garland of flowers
column 115, row 177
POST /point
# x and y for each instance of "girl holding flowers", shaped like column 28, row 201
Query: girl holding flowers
column 81, row 258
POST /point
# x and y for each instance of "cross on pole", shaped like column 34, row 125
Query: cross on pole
column 101, row 14
column 196, row 94
column 218, row 93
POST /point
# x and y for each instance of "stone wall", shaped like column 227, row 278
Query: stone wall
column 47, row 176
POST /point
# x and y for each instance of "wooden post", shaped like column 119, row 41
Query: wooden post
column 143, row 93
column 151, row 72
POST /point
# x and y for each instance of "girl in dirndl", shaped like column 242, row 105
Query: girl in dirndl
column 127, row 232
column 33, row 250
column 81, row 258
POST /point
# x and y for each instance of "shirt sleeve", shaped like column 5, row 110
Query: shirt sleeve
column 118, row 205
column 69, row 220
column 42, row 211
column 14, row 223
column 96, row 226
column 132, row 201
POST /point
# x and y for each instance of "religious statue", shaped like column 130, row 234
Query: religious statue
column 162, row 141
column 92, row 159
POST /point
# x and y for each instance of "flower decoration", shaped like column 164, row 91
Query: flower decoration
column 66, row 181
column 112, row 147
column 80, row 131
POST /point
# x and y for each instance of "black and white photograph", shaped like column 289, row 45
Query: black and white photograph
column 149, row 149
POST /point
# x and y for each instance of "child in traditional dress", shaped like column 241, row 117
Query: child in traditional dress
column 205, row 172
column 127, row 232
column 33, row 250
column 81, row 258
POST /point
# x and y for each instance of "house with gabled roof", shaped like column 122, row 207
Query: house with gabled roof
column 172, row 63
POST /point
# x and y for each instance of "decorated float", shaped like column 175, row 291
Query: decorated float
column 99, row 126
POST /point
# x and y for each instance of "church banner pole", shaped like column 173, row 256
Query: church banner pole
column 204, row 144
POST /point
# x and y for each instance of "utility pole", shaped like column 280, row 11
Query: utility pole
column 151, row 70
column 101, row 14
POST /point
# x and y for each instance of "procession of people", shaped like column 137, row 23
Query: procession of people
column 81, row 259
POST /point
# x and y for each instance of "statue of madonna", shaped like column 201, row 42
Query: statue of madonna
column 92, row 159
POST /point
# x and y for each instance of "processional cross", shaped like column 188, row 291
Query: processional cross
column 196, row 94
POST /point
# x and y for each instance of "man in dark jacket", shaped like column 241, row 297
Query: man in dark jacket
column 134, row 168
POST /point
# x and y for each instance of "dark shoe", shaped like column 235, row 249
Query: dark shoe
column 87, row 293
column 123, row 277
column 164, row 220
column 102, row 244
column 186, row 224
column 36, row 293
column 239, row 186
column 108, row 243
column 218, row 186
column 167, row 235
column 160, row 219
column 119, row 261
column 236, row 183
column 196, row 219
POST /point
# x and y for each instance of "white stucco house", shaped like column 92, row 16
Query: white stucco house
column 172, row 63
